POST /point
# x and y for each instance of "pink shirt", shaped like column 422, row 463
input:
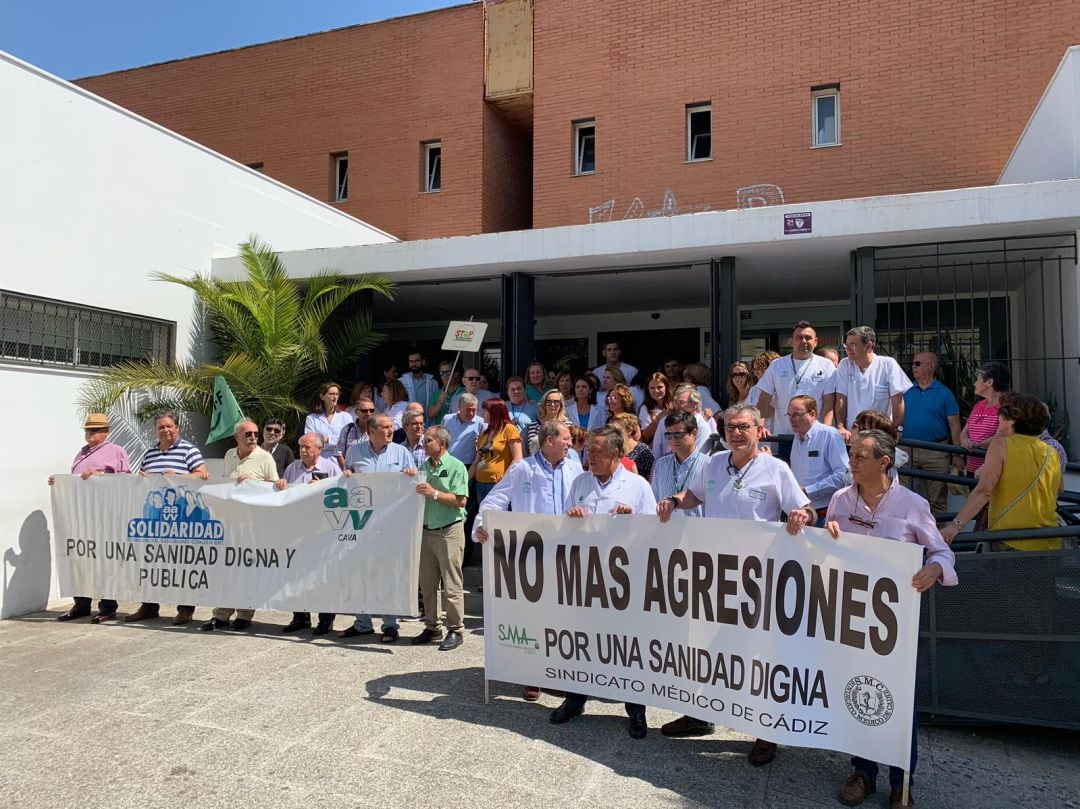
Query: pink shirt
column 901, row 515
column 981, row 424
column 107, row 457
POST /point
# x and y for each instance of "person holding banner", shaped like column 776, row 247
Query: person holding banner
column 99, row 456
column 246, row 461
column 538, row 485
column 311, row 467
column 877, row 505
column 745, row 483
column 607, row 488
column 445, row 484
column 377, row 454
column 171, row 456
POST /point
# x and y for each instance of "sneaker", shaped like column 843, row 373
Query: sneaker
column 855, row 790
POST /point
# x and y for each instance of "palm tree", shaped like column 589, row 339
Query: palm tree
column 277, row 338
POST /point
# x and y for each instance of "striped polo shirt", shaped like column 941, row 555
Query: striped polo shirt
column 182, row 457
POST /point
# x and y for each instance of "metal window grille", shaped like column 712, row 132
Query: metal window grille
column 990, row 299
column 49, row 332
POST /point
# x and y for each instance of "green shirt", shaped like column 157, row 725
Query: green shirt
column 449, row 476
column 445, row 409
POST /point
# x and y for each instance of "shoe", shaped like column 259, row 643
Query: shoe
column 451, row 642
column 72, row 614
column 239, row 624
column 141, row 614
column 565, row 712
column 686, row 726
column 762, row 752
column 295, row 626
column 639, row 727
column 897, row 795
column 322, row 629
column 531, row 693
column 214, row 623
column 183, row 617
column 353, row 632
column 427, row 636
column 856, row 789
column 102, row 617
column 389, row 635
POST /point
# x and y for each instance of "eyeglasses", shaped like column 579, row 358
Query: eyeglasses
column 739, row 428
column 860, row 521
column 471, row 378
column 798, row 415
column 676, row 436
column 553, row 403
column 273, row 430
column 251, row 433
column 430, row 440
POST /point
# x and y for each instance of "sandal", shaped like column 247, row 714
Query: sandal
column 389, row 635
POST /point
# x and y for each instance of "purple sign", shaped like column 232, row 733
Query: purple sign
column 797, row 223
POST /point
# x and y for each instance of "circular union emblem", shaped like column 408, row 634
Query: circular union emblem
column 868, row 700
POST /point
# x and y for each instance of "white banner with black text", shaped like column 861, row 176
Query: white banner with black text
column 804, row 641
column 340, row 545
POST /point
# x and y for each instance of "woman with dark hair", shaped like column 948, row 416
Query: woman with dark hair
column 564, row 381
column 991, row 380
column 395, row 400
column 497, row 448
column 325, row 419
column 361, row 390
column 656, row 406
column 535, row 381
column 582, row 410
column 1020, row 479
column 739, row 383
column 618, row 400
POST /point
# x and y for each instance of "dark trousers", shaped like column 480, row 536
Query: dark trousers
column 105, row 605
column 896, row 774
column 325, row 618
column 472, row 507
column 149, row 605
column 578, row 701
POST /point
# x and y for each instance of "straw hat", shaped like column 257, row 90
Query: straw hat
column 96, row 421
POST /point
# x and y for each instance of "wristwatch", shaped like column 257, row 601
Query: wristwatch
column 958, row 524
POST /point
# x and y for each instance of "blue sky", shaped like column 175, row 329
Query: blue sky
column 76, row 38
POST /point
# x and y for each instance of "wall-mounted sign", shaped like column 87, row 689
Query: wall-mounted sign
column 797, row 223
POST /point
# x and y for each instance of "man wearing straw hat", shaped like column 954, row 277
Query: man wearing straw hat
column 99, row 456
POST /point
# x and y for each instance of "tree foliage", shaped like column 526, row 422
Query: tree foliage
column 276, row 340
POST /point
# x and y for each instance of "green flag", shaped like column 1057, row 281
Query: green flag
column 226, row 411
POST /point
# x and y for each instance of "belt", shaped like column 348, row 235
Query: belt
column 442, row 527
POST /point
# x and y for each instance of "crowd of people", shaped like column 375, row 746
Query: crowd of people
column 611, row 441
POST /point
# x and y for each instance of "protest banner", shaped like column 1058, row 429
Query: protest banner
column 804, row 640
column 340, row 545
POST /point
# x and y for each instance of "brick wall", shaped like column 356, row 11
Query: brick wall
column 934, row 95
column 507, row 174
column 375, row 91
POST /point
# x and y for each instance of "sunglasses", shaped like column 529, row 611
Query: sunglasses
column 95, row 429
column 739, row 374
column 273, row 429
column 917, row 364
column 444, row 373
column 860, row 521
column 251, row 433
column 676, row 436
column 472, row 378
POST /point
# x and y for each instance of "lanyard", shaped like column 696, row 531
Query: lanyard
column 795, row 371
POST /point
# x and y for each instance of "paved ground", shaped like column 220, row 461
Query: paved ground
column 155, row 716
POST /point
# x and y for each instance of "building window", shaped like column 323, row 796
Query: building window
column 698, row 132
column 585, row 147
column 433, row 166
column 341, row 176
column 50, row 332
column 825, row 107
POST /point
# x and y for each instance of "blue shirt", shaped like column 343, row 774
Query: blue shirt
column 364, row 458
column 532, row 486
column 463, row 436
column 926, row 412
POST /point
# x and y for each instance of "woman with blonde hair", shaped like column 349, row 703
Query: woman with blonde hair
column 551, row 407
column 637, row 451
column 395, row 400
column 618, row 400
column 535, row 381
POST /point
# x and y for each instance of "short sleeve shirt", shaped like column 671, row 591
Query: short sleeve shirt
column 927, row 411
column 787, row 378
column 871, row 389
column 259, row 465
column 495, row 454
column 449, row 476
column 761, row 490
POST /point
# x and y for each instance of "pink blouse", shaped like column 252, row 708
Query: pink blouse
column 981, row 425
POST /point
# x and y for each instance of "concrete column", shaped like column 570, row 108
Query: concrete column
column 863, row 303
column 517, row 310
column 723, row 323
